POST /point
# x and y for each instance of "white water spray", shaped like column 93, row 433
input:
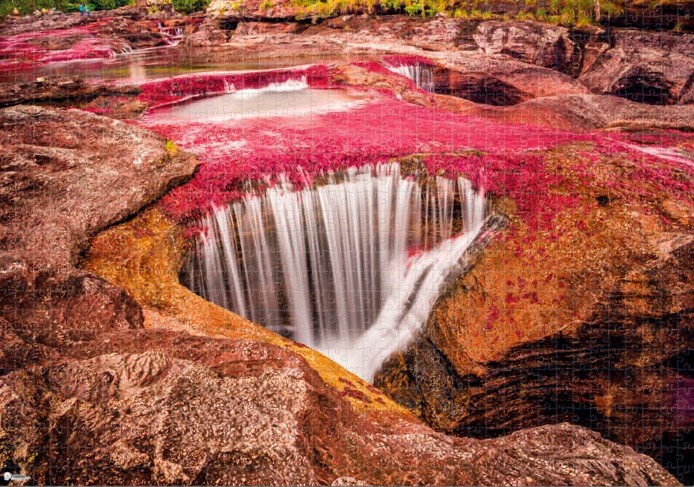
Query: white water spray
column 421, row 74
column 330, row 266
column 287, row 86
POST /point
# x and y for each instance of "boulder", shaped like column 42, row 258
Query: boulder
column 545, row 45
column 649, row 67
column 58, row 89
column 66, row 175
column 154, row 406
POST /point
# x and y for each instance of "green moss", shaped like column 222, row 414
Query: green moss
column 171, row 148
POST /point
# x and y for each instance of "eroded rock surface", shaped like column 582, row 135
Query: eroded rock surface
column 149, row 384
column 149, row 406
column 532, row 42
column 587, row 320
column 66, row 175
column 650, row 67
column 58, row 90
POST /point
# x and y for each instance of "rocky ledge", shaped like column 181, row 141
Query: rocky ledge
column 59, row 89
column 585, row 317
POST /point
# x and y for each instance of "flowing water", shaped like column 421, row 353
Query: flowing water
column 339, row 267
column 421, row 74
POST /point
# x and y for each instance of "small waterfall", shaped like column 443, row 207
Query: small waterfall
column 229, row 87
column 334, row 267
column 173, row 34
column 421, row 74
column 287, row 86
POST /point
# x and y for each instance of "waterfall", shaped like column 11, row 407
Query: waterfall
column 287, row 86
column 351, row 267
column 229, row 87
column 421, row 74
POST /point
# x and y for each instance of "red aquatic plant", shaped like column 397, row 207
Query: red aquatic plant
column 241, row 156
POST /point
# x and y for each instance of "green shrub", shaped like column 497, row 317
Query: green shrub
column 26, row 7
column 425, row 8
column 189, row 6
column 106, row 4
column 391, row 5
column 416, row 8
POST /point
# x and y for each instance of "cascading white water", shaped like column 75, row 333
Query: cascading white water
column 331, row 266
column 421, row 74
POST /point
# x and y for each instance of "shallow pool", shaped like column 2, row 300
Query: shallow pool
column 292, row 98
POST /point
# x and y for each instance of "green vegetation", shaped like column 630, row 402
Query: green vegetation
column 171, row 148
column 190, row 6
column 564, row 12
column 575, row 13
column 25, row 7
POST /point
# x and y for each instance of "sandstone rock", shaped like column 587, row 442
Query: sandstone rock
column 501, row 80
column 542, row 332
column 58, row 21
column 536, row 43
column 58, row 90
column 648, row 67
column 590, row 112
column 209, row 34
column 149, row 406
column 66, row 175
column 263, row 28
column 89, row 396
column 70, row 173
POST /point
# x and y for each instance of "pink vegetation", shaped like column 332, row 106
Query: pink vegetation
column 520, row 176
column 93, row 40
column 374, row 67
column 642, row 175
column 233, row 153
column 239, row 156
column 36, row 47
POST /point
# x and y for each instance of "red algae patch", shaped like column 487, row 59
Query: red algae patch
column 233, row 154
column 49, row 46
column 506, row 159
column 599, row 209
column 407, row 60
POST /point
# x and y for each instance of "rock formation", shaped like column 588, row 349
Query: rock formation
column 599, row 336
column 92, row 397
column 58, row 90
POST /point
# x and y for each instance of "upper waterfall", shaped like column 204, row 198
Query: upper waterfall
column 421, row 74
column 351, row 267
